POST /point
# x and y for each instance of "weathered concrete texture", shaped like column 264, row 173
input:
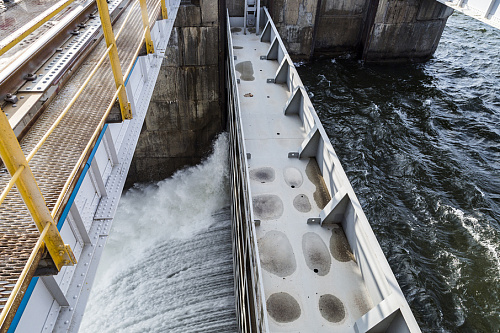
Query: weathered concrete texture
column 236, row 7
column 406, row 30
column 339, row 26
column 295, row 21
column 376, row 30
column 187, row 109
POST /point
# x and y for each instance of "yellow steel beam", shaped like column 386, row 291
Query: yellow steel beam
column 13, row 159
column 145, row 23
column 164, row 12
column 113, row 58
column 17, row 39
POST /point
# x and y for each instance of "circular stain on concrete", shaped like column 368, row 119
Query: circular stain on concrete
column 339, row 246
column 302, row 203
column 293, row 177
column 265, row 174
column 267, row 206
column 331, row 308
column 283, row 307
column 276, row 254
column 316, row 254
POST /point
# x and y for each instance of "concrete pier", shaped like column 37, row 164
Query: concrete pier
column 187, row 109
column 373, row 30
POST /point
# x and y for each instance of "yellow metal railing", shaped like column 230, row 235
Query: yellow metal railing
column 18, row 167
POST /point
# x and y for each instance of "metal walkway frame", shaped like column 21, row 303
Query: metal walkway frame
column 21, row 175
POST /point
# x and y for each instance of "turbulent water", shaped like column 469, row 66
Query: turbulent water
column 421, row 145
column 168, row 265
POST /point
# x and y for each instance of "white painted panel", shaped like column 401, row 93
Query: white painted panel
column 36, row 311
column 101, row 157
column 87, row 190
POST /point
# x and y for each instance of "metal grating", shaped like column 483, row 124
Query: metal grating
column 54, row 162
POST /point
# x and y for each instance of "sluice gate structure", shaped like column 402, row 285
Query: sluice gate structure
column 305, row 256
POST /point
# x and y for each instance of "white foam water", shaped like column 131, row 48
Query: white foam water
column 168, row 263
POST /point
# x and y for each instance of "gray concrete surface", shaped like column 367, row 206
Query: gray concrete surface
column 187, row 109
column 374, row 30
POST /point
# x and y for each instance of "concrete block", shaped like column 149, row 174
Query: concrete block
column 188, row 16
column 199, row 46
column 172, row 57
column 236, row 7
column 168, row 85
column 343, row 7
column 199, row 83
column 338, row 35
column 163, row 115
column 209, row 12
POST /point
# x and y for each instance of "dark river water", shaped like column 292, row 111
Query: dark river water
column 421, row 145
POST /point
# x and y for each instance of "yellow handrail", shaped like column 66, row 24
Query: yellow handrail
column 164, row 12
column 145, row 23
column 9, row 186
column 109, row 36
column 37, row 25
column 125, row 20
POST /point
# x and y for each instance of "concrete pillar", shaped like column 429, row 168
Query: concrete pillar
column 340, row 26
column 374, row 30
column 295, row 21
column 187, row 109
column 405, row 30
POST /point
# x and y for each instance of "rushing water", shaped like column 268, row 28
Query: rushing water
column 421, row 145
column 168, row 265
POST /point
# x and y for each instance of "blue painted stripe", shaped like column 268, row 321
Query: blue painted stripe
column 131, row 71
column 22, row 305
column 31, row 286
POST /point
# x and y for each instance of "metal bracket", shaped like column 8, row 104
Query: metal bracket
column 263, row 57
column 314, row 220
column 238, row 80
column 11, row 98
column 30, row 77
column 293, row 154
column 235, row 58
column 249, row 156
column 270, row 81
column 256, row 222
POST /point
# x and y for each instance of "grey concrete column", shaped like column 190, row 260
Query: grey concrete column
column 187, row 109
column 374, row 30
column 405, row 30
column 295, row 21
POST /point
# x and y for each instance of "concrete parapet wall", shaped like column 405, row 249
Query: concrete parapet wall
column 406, row 30
column 187, row 109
